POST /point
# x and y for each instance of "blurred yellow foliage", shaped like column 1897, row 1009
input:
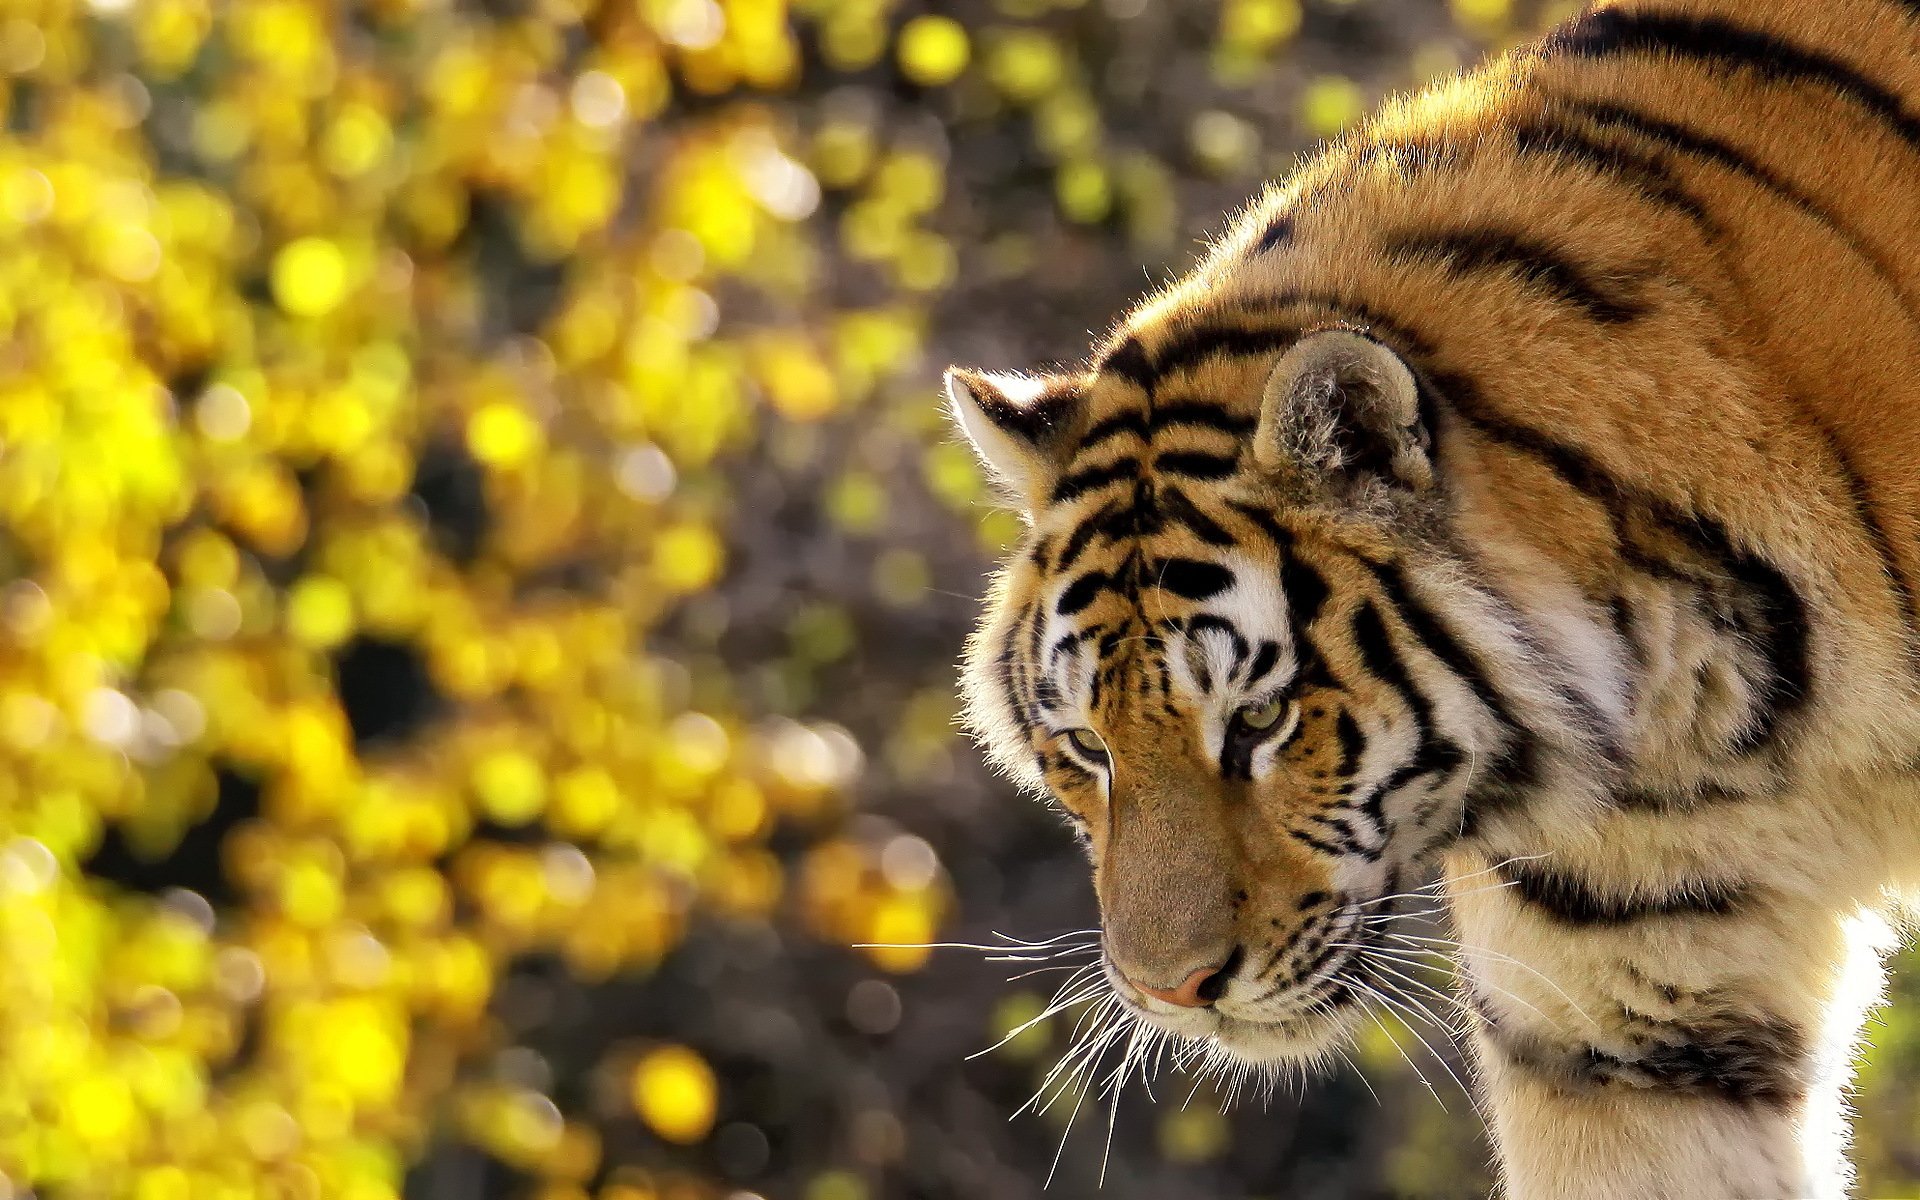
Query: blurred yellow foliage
column 258, row 365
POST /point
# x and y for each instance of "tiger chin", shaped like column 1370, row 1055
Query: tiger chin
column 1527, row 490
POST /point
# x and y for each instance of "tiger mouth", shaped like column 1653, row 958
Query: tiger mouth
column 1300, row 1017
column 1297, row 1036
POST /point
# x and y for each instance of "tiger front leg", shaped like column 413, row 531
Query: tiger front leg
column 1684, row 1046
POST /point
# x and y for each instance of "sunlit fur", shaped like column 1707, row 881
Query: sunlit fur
column 1553, row 443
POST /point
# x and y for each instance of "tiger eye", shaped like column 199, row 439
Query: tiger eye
column 1088, row 743
column 1263, row 716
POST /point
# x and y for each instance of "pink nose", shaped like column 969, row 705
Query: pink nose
column 1199, row 990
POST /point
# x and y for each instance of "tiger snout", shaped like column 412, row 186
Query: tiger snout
column 1167, row 902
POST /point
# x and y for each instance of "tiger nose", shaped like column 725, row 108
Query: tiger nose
column 1199, row 990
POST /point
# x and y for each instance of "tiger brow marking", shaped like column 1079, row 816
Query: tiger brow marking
column 1196, row 346
column 1209, row 623
column 1718, row 41
column 1192, row 578
column 1264, row 660
column 1079, row 483
column 1539, row 266
column 1195, row 464
column 1084, row 533
column 1183, row 510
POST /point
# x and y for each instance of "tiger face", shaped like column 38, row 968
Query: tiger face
column 1220, row 651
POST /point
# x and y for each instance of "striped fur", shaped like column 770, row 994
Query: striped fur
column 1550, row 447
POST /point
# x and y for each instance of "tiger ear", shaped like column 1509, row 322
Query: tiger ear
column 1019, row 426
column 1342, row 407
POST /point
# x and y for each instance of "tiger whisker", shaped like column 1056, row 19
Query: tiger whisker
column 1055, row 967
column 1392, row 995
column 1083, row 991
column 1397, row 1010
column 1455, row 947
column 1394, row 968
column 1367, row 993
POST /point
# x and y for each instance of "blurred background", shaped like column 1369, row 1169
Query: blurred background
column 481, row 568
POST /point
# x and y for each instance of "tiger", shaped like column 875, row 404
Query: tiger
column 1525, row 493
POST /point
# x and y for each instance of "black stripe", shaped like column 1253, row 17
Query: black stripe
column 1084, row 533
column 1370, row 637
column 1197, row 346
column 1644, row 174
column 1538, row 265
column 1678, row 799
column 1179, row 508
column 1190, row 577
column 1719, row 42
column 1129, row 361
column 1132, row 420
column 1694, row 143
column 1146, row 423
column 1860, row 499
column 1127, row 518
column 1353, row 743
column 1747, row 1059
column 1377, row 652
column 1082, row 592
column 1278, row 232
column 1263, row 661
column 1306, row 592
column 1265, row 522
column 1439, row 641
column 1572, row 901
column 1079, row 483
column 1198, row 414
column 1196, row 465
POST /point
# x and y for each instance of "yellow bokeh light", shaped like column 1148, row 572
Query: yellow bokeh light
column 310, row 277
column 320, row 611
column 687, row 557
column 502, row 434
column 512, row 787
column 933, row 50
column 676, row 1094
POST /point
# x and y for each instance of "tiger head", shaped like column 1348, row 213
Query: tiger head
column 1231, row 649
